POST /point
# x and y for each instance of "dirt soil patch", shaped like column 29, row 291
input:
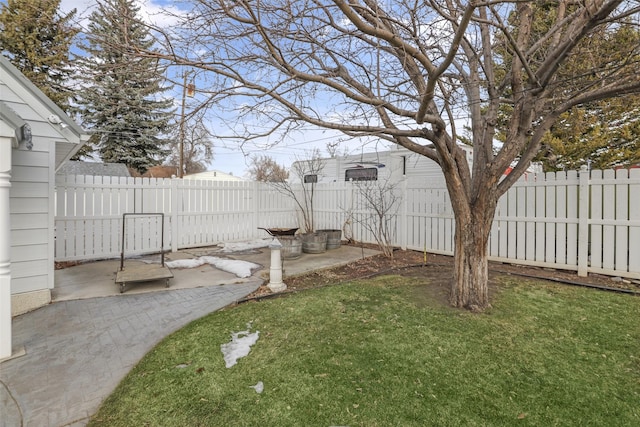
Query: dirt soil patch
column 437, row 271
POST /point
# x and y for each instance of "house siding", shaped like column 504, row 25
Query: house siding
column 31, row 200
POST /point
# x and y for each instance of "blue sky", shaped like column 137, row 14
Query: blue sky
column 229, row 155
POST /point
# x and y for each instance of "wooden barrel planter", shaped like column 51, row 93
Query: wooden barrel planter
column 314, row 243
column 333, row 238
column 291, row 247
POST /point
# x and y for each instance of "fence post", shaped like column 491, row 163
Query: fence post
column 404, row 224
column 174, row 215
column 349, row 209
column 257, row 189
column 583, row 222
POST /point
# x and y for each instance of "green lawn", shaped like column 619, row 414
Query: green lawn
column 373, row 353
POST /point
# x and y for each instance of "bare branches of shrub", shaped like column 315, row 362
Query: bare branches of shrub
column 379, row 201
column 304, row 174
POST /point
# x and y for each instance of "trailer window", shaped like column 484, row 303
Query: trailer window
column 310, row 179
column 361, row 174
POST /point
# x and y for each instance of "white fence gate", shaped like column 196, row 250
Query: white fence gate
column 559, row 220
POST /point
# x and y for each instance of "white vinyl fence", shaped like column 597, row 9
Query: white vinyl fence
column 561, row 220
column 89, row 214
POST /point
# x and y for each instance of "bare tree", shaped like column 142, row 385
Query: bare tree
column 265, row 169
column 334, row 150
column 380, row 200
column 197, row 147
column 406, row 72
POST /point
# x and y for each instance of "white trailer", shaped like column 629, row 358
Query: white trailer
column 393, row 165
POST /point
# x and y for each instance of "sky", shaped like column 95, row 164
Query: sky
column 230, row 156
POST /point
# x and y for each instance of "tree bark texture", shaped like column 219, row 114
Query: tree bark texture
column 469, row 288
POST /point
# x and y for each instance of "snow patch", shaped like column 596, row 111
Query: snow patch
column 233, row 266
column 240, row 268
column 245, row 246
column 259, row 388
column 239, row 347
column 185, row 263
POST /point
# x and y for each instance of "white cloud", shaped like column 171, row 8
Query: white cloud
column 159, row 13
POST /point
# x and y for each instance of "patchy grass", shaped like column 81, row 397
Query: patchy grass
column 372, row 354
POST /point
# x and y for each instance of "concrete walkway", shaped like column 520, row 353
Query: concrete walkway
column 78, row 350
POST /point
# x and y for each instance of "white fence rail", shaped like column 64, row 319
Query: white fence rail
column 559, row 220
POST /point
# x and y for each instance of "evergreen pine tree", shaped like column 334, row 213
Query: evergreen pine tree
column 37, row 40
column 121, row 99
column 602, row 134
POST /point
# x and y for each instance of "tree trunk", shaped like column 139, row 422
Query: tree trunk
column 470, row 288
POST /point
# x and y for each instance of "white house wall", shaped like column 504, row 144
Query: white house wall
column 31, row 200
column 31, row 225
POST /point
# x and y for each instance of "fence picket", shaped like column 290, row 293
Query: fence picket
column 596, row 216
column 504, row 236
column 622, row 217
column 550, row 217
column 561, row 216
column 530, row 235
column 512, row 213
column 520, row 242
column 540, row 226
column 571, row 206
column 634, row 218
column 608, row 215
column 60, row 229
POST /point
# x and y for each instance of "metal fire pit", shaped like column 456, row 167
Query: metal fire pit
column 280, row 231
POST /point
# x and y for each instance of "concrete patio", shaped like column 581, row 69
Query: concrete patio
column 97, row 279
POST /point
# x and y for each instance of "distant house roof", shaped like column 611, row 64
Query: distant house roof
column 93, row 169
column 161, row 171
column 213, row 176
